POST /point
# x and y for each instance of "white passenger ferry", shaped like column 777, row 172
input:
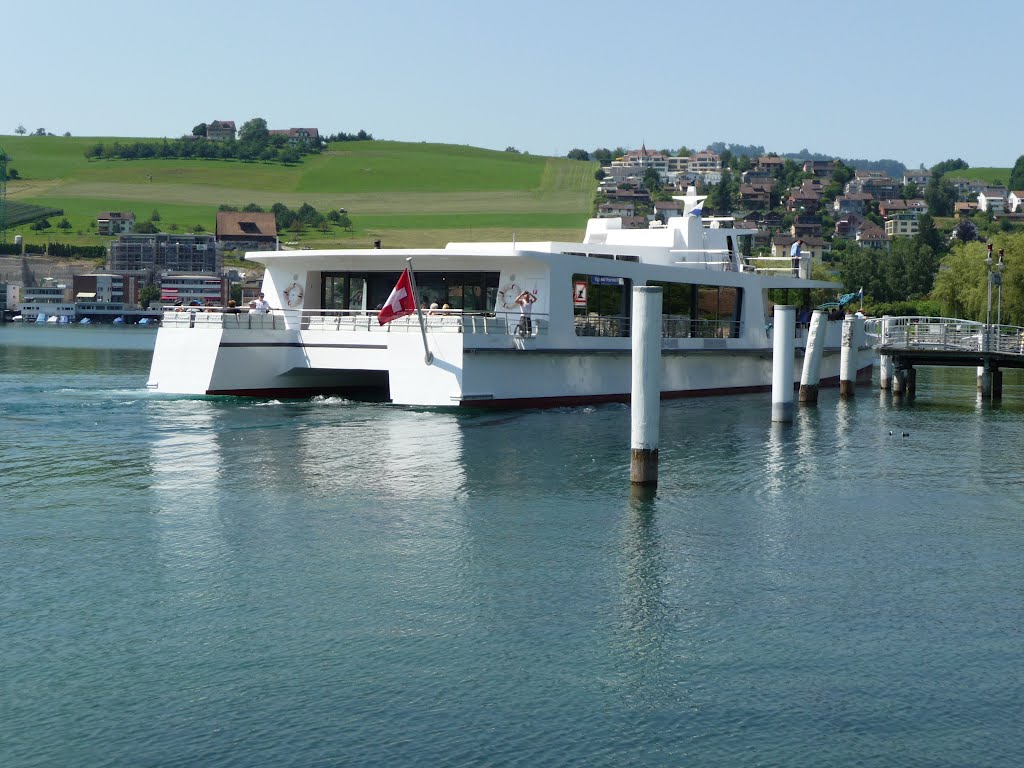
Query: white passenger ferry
column 322, row 334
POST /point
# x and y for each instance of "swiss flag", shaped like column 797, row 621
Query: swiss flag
column 400, row 303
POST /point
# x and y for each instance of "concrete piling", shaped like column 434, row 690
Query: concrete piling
column 848, row 359
column 811, row 375
column 645, row 397
column 783, row 333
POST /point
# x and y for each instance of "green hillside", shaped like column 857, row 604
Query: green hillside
column 994, row 176
column 405, row 194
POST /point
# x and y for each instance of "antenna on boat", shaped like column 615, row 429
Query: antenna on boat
column 513, row 242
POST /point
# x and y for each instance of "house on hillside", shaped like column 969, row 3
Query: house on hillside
column 246, row 231
column 853, row 203
column 820, row 169
column 769, row 164
column 297, row 135
column 992, row 200
column 114, row 222
column 872, row 236
column 666, row 209
column 1015, row 201
column 220, row 130
column 920, row 177
column 756, row 196
column 902, row 224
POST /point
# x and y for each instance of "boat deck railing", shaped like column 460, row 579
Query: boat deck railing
column 442, row 321
column 436, row 321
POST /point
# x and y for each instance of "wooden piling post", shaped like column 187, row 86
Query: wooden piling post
column 783, row 333
column 645, row 397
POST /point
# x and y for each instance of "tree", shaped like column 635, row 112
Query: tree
column 1017, row 174
column 513, row 150
column 198, row 228
column 908, row 191
column 652, row 181
column 308, row 214
column 946, row 166
column 965, row 231
column 842, row 173
column 578, row 154
column 64, row 224
column 20, row 130
column 599, row 174
column 40, row 224
column 67, row 134
column 148, row 294
column 254, row 132
column 252, row 208
column 155, row 215
column 145, row 228
column 928, row 234
column 200, row 130
column 40, row 132
column 602, row 155
column 941, row 195
column 345, row 222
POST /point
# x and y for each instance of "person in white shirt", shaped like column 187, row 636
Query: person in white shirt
column 262, row 305
column 525, row 301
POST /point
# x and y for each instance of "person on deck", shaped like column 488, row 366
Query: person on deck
column 525, row 301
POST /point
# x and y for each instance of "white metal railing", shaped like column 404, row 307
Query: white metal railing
column 948, row 334
column 436, row 321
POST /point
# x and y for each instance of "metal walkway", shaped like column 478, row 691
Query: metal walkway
column 907, row 342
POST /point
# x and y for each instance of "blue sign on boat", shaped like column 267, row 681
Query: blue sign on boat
column 604, row 280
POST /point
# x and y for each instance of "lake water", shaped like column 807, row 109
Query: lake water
column 235, row 582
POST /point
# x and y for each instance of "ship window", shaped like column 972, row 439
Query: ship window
column 468, row 291
column 603, row 307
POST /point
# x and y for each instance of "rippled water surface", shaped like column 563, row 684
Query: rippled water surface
column 237, row 582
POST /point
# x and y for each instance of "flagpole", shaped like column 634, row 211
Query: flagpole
column 428, row 356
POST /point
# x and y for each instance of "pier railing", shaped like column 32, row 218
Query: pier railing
column 946, row 334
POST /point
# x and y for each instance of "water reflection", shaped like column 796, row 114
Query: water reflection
column 186, row 465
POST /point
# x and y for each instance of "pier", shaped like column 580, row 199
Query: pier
column 905, row 343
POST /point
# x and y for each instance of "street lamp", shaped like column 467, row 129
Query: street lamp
column 998, row 279
column 988, row 267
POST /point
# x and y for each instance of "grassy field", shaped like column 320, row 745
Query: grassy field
column 994, row 176
column 404, row 194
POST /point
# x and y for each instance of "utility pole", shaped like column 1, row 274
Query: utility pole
column 3, row 196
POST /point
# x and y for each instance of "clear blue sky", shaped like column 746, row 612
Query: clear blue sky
column 915, row 82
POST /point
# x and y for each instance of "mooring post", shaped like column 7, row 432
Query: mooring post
column 783, row 333
column 848, row 359
column 997, row 384
column 885, row 361
column 811, row 376
column 911, row 381
column 984, row 381
column 645, row 395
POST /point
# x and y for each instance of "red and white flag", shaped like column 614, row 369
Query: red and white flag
column 400, row 303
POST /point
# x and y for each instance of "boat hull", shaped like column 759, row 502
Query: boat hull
column 392, row 366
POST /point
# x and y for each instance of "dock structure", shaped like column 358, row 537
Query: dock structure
column 907, row 343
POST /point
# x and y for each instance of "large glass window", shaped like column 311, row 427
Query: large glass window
column 600, row 303
column 468, row 291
